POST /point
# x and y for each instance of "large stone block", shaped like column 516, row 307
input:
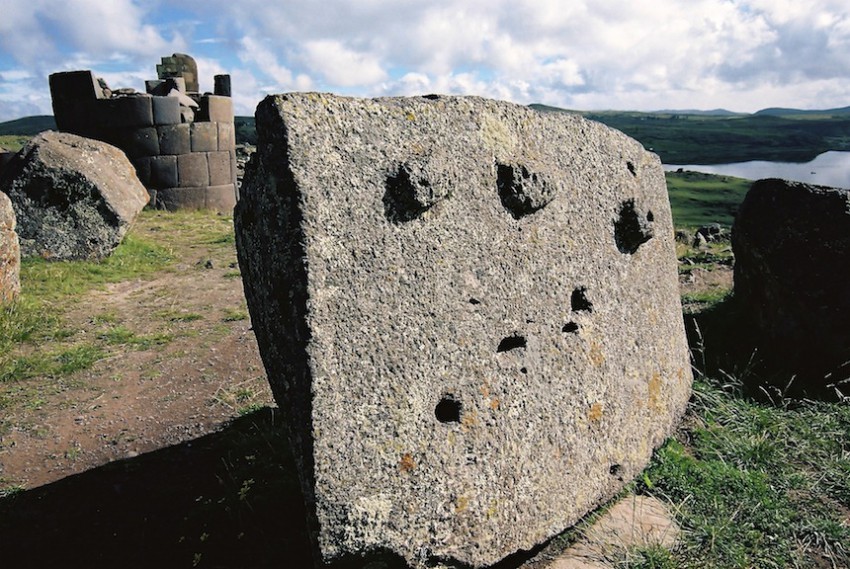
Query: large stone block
column 193, row 170
column 204, row 137
column 792, row 268
column 216, row 109
column 126, row 111
column 166, row 110
column 163, row 172
column 74, row 85
column 221, row 198
column 468, row 312
column 174, row 199
column 137, row 142
column 10, row 253
column 174, row 139
column 143, row 169
column 74, row 198
column 219, row 164
column 226, row 136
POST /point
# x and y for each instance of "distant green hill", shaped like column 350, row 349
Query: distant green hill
column 681, row 138
column 28, row 126
column 791, row 113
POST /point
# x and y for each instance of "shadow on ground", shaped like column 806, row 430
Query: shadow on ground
column 228, row 499
column 725, row 348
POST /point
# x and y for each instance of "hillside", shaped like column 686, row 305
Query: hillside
column 681, row 138
column 27, row 126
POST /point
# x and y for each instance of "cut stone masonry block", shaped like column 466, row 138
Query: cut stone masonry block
column 468, row 312
column 164, row 172
column 174, row 139
column 219, row 163
column 130, row 111
column 166, row 110
column 204, row 137
column 193, row 170
column 216, row 109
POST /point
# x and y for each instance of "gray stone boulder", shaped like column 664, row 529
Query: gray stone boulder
column 10, row 253
column 468, row 312
column 74, row 197
column 792, row 268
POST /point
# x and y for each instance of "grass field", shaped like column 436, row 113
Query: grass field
column 699, row 199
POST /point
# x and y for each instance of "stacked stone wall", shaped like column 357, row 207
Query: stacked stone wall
column 183, row 165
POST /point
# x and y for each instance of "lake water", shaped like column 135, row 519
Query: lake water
column 828, row 169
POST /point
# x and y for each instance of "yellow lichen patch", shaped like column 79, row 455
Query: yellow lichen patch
column 410, row 116
column 655, row 391
column 407, row 463
column 495, row 134
column 596, row 355
column 469, row 419
column 461, row 504
column 491, row 510
column 595, row 413
column 494, row 403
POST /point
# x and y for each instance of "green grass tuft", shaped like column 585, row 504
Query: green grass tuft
column 699, row 199
column 758, row 485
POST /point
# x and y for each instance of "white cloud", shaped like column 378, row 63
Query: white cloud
column 342, row 66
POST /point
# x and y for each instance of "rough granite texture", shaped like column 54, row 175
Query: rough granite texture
column 10, row 253
column 469, row 313
column 792, row 267
column 74, row 197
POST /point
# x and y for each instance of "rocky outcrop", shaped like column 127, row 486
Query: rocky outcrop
column 10, row 253
column 469, row 313
column 74, row 198
column 792, row 268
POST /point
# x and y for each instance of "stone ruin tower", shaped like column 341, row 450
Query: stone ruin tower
column 181, row 142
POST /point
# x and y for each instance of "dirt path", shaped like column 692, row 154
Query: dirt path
column 199, row 369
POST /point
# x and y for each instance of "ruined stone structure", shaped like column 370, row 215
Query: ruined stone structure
column 182, row 143
column 10, row 253
column 792, row 266
column 468, row 312
column 74, row 197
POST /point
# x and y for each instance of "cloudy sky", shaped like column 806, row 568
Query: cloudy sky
column 742, row 55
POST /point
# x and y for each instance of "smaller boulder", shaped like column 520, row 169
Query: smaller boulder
column 74, row 198
column 792, row 268
column 10, row 253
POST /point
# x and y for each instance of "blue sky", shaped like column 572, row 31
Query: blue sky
column 742, row 55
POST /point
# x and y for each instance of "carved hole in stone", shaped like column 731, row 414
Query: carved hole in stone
column 615, row 469
column 474, row 301
column 631, row 230
column 448, row 409
column 400, row 203
column 579, row 301
column 521, row 192
column 570, row 328
column 432, row 97
column 649, row 216
column 523, row 370
column 511, row 343
column 631, row 168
